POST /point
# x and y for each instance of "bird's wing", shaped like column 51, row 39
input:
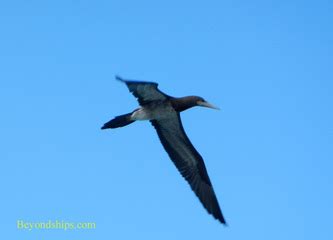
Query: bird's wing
column 188, row 161
column 145, row 92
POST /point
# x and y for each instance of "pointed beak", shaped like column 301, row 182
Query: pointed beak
column 207, row 104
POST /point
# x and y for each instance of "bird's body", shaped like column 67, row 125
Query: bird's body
column 163, row 112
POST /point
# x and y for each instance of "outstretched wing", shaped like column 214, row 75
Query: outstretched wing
column 188, row 161
column 145, row 92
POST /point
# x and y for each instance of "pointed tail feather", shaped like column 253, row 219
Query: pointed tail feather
column 119, row 121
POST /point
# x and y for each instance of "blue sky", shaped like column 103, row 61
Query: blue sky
column 266, row 64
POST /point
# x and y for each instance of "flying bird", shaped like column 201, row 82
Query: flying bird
column 163, row 111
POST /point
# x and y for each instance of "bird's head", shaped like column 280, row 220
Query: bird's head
column 203, row 103
column 181, row 104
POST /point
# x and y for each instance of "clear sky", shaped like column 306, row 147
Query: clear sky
column 266, row 64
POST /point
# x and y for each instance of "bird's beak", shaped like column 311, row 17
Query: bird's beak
column 207, row 104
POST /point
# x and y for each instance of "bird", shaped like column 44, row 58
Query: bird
column 163, row 111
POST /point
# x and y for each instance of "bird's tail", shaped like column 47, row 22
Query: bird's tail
column 119, row 121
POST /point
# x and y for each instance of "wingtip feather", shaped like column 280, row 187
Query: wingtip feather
column 119, row 78
column 222, row 220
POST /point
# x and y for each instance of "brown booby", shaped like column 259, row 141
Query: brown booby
column 163, row 112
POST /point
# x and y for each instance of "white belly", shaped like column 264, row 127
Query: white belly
column 155, row 112
column 140, row 114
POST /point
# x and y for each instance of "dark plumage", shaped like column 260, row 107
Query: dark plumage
column 163, row 112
